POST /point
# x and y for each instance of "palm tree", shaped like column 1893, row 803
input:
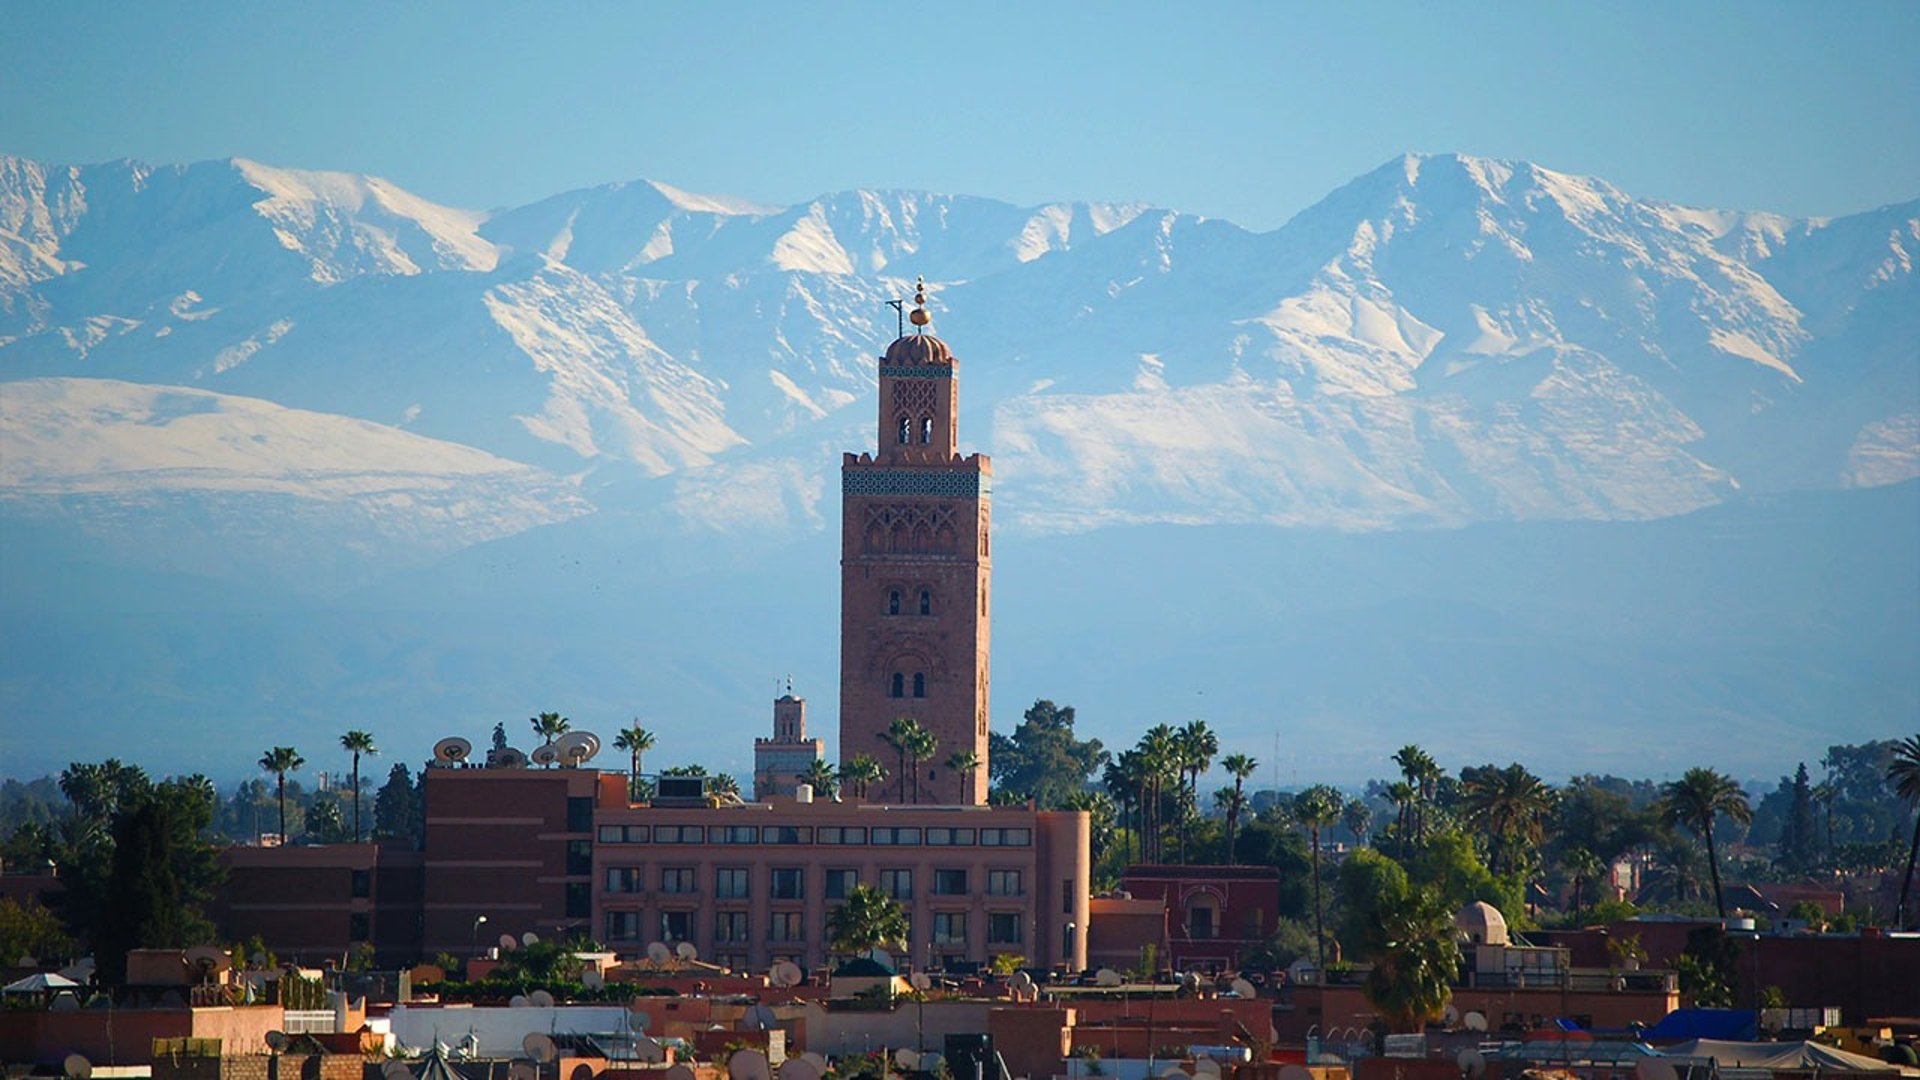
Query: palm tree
column 280, row 761
column 1316, row 808
column 1510, row 805
column 1584, row 866
column 868, row 919
column 1238, row 766
column 1159, row 760
column 723, row 784
column 1121, row 778
column 1358, row 818
column 1194, row 747
column 863, row 770
column 966, row 763
column 819, row 776
column 1694, row 801
column 549, row 726
column 897, row 735
column 1903, row 772
column 1423, row 775
column 1403, row 795
column 357, row 743
column 635, row 740
column 921, row 746
column 1413, row 970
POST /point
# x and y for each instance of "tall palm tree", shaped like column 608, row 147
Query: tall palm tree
column 966, row 763
column 868, row 919
column 1159, row 757
column 1121, row 777
column 357, row 743
column 1238, row 766
column 1402, row 795
column 864, row 770
column 1903, row 772
column 1195, row 747
column 1583, row 866
column 819, row 776
column 1423, row 775
column 549, row 726
column 897, row 735
column 635, row 740
column 280, row 761
column 723, row 784
column 1316, row 808
column 1510, row 806
column 1358, row 818
column 921, row 746
column 1694, row 801
column 1414, row 968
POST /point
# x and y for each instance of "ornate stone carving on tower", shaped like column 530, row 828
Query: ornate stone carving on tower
column 780, row 762
column 914, row 568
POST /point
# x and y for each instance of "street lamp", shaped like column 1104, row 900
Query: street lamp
column 1067, row 953
column 476, row 933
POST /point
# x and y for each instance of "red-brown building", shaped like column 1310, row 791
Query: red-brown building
column 318, row 902
column 1214, row 914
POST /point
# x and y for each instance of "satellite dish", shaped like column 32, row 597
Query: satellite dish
column 209, row 960
column 639, row 1018
column 518, row 1001
column 659, row 953
column 1243, row 988
column 1474, row 1020
column 920, row 981
column 787, row 973
column 748, row 1065
column 452, row 750
column 276, row 1039
column 1021, row 982
column 1173, row 1069
column 508, row 943
column 77, row 1066
column 1106, row 977
column 931, row 1061
column 509, row 758
column 819, row 1061
column 761, row 1018
column 649, row 1050
column 544, row 755
column 799, row 1068
column 907, row 1057
column 1450, row 1015
column 539, row 1047
column 571, row 747
column 395, row 1069
column 1205, row 1066
column 540, row 999
column 677, row 1071
column 529, row 939
column 687, row 950
column 1472, row 1062
column 1653, row 1068
column 592, row 979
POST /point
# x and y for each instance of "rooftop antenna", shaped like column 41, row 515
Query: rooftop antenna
column 900, row 315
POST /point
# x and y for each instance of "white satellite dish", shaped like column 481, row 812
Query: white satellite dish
column 687, row 950
column 761, row 1018
column 276, row 1040
column 539, row 1047
column 519, row 1001
column 798, row 1068
column 677, row 1071
column 659, row 953
column 77, row 1066
column 540, row 999
column 1472, row 1062
column 748, row 1065
column 649, row 1050
column 1205, row 1066
column 1106, row 977
column 1245, row 989
column 787, row 973
column 452, row 750
column 920, row 981
column 529, row 939
column 906, row 1057
column 572, row 748
column 395, row 1069
column 209, row 960
column 1021, row 982
column 544, row 755
column 508, row 943
column 1474, row 1020
column 508, row 758
column 640, row 1020
column 1450, row 1015
column 592, row 979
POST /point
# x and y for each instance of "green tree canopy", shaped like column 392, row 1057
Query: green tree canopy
column 1042, row 760
column 867, row 919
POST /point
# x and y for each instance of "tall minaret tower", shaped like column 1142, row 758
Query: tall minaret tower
column 914, row 569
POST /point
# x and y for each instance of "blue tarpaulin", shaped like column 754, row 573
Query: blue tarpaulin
column 1736, row 1025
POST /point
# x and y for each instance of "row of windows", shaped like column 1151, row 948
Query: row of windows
column 733, row 927
column 895, row 605
column 843, row 835
column 790, row 882
column 898, row 687
column 904, row 430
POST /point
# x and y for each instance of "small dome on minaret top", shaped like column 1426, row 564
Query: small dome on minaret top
column 917, row 349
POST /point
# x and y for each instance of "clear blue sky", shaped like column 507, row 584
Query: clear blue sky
column 1248, row 112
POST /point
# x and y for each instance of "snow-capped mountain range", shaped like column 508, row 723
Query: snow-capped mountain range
column 257, row 374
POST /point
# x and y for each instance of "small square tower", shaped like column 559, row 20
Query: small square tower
column 780, row 762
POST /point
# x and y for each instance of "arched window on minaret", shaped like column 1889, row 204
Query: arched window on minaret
column 906, row 431
column 919, row 684
column 926, row 601
column 926, row 429
column 893, row 601
column 899, row 685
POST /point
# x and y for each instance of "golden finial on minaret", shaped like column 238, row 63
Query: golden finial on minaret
column 920, row 318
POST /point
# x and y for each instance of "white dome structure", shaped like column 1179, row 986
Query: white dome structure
column 1482, row 924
